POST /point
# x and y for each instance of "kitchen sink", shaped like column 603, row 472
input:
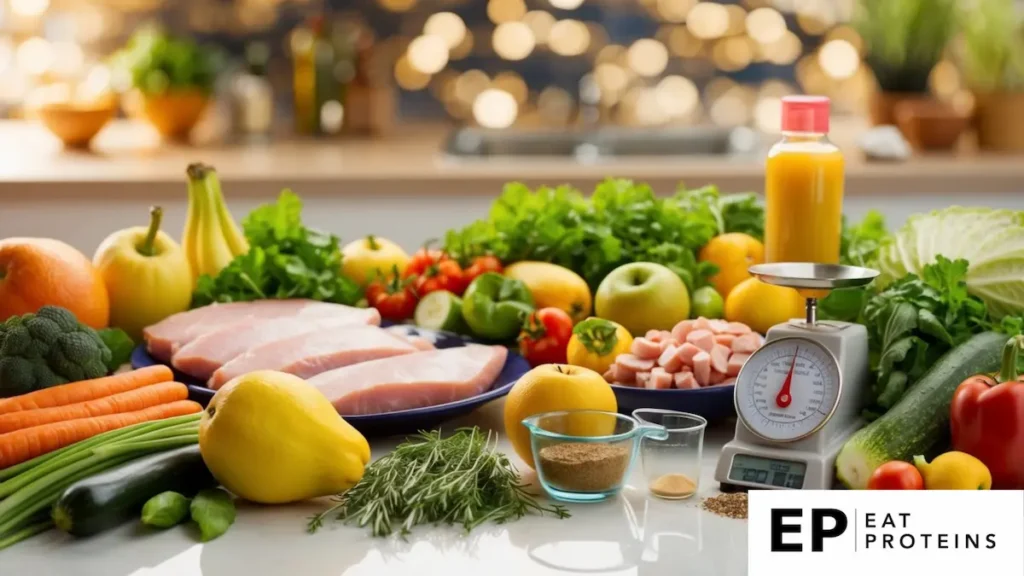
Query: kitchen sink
column 600, row 142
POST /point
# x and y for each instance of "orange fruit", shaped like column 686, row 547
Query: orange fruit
column 35, row 272
column 761, row 305
column 733, row 253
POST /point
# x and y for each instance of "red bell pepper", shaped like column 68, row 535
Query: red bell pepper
column 987, row 420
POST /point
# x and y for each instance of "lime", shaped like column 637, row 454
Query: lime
column 707, row 303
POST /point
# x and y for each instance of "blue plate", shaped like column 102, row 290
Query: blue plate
column 404, row 421
column 713, row 403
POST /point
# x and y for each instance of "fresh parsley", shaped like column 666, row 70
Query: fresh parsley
column 285, row 260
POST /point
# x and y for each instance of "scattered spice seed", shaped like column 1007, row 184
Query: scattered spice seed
column 584, row 466
column 729, row 505
column 673, row 486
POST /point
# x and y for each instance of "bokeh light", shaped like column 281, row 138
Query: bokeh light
column 733, row 54
column 677, row 96
column 428, row 54
column 555, row 105
column 513, row 40
column 540, row 23
column 612, row 79
column 684, row 44
column 838, row 59
column 647, row 57
column 569, row 38
column 397, row 5
column 708, row 20
column 68, row 59
column 34, row 56
column 500, row 11
column 737, row 19
column 447, row 25
column 566, row 4
column 675, row 10
column 766, row 25
column 469, row 85
column 465, row 48
column 513, row 84
column 29, row 8
column 768, row 114
column 494, row 108
column 408, row 77
column 785, row 51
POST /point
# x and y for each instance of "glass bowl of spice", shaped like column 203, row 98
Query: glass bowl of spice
column 585, row 455
column 672, row 464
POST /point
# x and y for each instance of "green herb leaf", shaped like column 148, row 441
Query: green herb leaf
column 214, row 512
column 120, row 345
column 165, row 510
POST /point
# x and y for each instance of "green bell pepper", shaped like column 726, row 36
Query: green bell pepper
column 494, row 307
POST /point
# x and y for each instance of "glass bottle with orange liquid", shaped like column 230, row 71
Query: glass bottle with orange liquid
column 803, row 186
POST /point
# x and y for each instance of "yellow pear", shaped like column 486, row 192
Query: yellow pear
column 271, row 438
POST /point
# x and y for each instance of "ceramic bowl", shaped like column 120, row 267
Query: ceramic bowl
column 930, row 125
column 76, row 124
column 174, row 114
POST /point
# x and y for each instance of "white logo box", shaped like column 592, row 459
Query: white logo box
column 890, row 532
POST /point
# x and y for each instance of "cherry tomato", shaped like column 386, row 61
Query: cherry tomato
column 545, row 336
column 896, row 475
column 393, row 297
column 444, row 275
column 480, row 265
column 423, row 259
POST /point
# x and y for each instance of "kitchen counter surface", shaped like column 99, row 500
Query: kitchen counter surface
column 129, row 155
column 632, row 535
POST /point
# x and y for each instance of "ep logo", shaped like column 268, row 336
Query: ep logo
column 822, row 522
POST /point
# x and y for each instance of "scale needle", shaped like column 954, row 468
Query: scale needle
column 785, row 398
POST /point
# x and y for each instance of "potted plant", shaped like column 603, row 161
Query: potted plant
column 904, row 41
column 174, row 78
column 991, row 55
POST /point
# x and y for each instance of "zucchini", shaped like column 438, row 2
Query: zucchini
column 106, row 500
column 921, row 418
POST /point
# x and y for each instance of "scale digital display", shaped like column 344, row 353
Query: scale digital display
column 767, row 471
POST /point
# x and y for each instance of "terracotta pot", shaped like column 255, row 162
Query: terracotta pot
column 882, row 109
column 999, row 118
column 76, row 124
column 174, row 114
column 929, row 124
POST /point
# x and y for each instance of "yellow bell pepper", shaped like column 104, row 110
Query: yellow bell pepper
column 595, row 344
column 954, row 471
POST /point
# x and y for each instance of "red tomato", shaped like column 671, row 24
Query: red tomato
column 444, row 275
column 393, row 298
column 423, row 259
column 481, row 265
column 545, row 336
column 896, row 475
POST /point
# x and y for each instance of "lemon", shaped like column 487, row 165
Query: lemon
column 271, row 438
column 553, row 286
column 761, row 305
column 733, row 253
column 954, row 471
column 554, row 387
column 707, row 302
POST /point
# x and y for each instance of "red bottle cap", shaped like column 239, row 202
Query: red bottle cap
column 805, row 114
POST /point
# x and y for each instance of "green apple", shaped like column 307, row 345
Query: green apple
column 643, row 296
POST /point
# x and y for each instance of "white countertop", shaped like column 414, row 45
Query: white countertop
column 634, row 534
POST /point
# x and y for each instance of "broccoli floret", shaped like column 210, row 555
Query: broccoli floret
column 48, row 348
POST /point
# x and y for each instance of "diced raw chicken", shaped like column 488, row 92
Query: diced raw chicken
column 418, row 341
column 685, row 381
column 720, row 358
column 718, row 326
column 643, row 379
column 746, row 344
column 667, row 343
column 738, row 328
column 201, row 357
column 670, row 360
column 687, row 352
column 736, row 361
column 621, row 375
column 307, row 355
column 682, row 330
column 660, row 380
column 702, row 339
column 166, row 337
column 634, row 364
column 716, row 378
column 727, row 382
column 702, row 368
column 609, row 376
column 702, row 323
column 655, row 335
column 725, row 339
column 645, row 349
column 414, row 380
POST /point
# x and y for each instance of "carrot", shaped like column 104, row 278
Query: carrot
column 163, row 393
column 87, row 389
column 22, row 445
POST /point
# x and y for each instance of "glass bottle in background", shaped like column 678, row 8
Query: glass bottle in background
column 254, row 95
column 804, row 186
column 369, row 96
column 317, row 96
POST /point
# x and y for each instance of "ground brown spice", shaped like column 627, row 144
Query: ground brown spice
column 583, row 466
column 673, row 486
column 729, row 505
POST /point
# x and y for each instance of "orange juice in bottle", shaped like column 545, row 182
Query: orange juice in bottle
column 803, row 187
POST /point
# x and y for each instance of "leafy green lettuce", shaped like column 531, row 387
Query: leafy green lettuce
column 285, row 260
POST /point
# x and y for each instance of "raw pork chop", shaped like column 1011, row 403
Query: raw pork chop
column 414, row 380
column 166, row 337
column 204, row 355
column 419, row 342
column 309, row 354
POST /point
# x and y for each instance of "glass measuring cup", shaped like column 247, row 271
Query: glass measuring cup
column 585, row 455
column 672, row 465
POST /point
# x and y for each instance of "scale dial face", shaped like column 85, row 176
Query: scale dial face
column 788, row 389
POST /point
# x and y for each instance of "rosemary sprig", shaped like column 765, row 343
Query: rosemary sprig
column 461, row 479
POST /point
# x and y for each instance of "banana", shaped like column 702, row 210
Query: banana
column 211, row 238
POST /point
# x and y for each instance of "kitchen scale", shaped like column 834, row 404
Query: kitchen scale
column 798, row 397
